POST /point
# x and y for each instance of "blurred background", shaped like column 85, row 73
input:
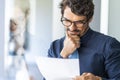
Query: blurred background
column 27, row 28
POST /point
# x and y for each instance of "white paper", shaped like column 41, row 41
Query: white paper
column 58, row 69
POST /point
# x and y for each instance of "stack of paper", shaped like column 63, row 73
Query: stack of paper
column 58, row 69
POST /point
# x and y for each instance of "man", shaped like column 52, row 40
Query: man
column 98, row 54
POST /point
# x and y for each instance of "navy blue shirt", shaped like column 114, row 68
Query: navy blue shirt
column 98, row 54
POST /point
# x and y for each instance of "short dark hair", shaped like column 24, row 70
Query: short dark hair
column 79, row 7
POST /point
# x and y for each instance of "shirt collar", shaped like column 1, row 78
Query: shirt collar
column 86, row 36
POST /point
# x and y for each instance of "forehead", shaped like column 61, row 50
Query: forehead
column 71, row 16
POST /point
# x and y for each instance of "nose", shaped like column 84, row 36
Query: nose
column 73, row 27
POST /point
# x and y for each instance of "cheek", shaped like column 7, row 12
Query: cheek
column 82, row 30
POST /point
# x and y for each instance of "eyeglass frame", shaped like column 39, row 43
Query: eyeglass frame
column 82, row 22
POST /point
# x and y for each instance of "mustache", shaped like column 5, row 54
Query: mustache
column 73, row 30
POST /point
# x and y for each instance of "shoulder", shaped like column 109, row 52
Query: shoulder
column 55, row 48
column 57, row 44
column 110, row 45
column 102, row 38
column 58, row 41
column 104, row 41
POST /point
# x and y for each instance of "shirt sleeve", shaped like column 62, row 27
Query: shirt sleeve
column 50, row 50
column 112, row 59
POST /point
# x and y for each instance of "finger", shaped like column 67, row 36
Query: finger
column 76, row 38
column 84, row 74
column 77, row 41
column 78, row 45
column 77, row 78
column 89, row 74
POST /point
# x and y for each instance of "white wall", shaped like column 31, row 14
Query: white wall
column 40, row 42
column 104, row 16
column 57, row 27
column 114, row 19
column 95, row 24
column 2, row 19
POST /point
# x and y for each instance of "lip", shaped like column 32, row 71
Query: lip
column 74, row 33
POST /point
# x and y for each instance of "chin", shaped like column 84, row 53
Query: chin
column 74, row 34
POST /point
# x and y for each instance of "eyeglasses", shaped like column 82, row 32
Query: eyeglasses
column 68, row 23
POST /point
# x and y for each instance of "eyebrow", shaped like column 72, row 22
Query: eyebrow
column 72, row 21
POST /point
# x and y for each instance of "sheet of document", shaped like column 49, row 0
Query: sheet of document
column 58, row 69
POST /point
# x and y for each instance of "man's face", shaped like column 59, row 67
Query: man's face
column 74, row 24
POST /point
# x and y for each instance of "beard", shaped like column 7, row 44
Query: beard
column 75, row 31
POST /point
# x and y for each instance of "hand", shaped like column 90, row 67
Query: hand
column 71, row 43
column 87, row 76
